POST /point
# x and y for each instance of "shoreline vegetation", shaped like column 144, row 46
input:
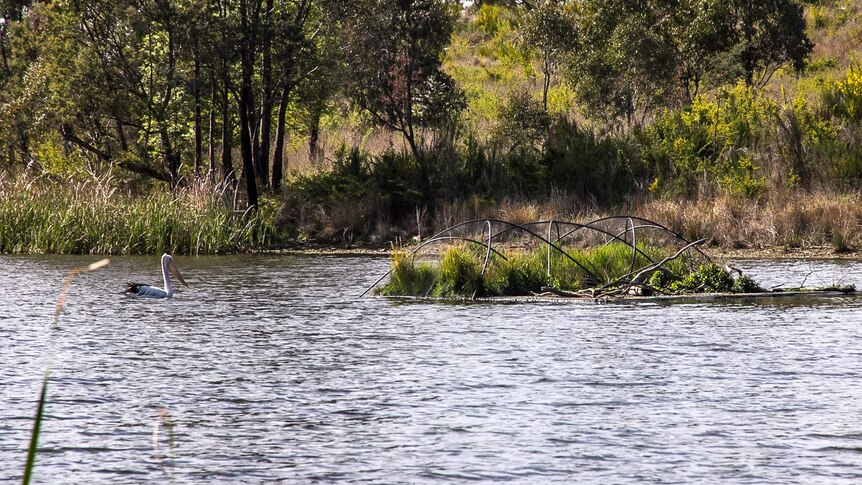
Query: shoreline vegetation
column 298, row 137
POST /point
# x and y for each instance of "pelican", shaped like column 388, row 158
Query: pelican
column 147, row 291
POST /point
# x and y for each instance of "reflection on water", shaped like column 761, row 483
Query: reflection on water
column 271, row 369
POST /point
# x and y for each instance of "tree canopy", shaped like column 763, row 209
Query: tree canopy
column 173, row 89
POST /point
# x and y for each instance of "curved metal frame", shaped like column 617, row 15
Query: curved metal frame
column 630, row 226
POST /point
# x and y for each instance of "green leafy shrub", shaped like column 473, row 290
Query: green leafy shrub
column 708, row 278
column 579, row 163
column 745, row 284
column 710, row 141
column 844, row 97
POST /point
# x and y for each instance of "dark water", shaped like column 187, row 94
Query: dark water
column 270, row 369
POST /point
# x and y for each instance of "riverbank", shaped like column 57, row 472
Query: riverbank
column 102, row 216
column 717, row 253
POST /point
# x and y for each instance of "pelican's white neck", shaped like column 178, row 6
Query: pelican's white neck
column 165, row 261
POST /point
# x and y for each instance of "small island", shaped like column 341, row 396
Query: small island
column 608, row 258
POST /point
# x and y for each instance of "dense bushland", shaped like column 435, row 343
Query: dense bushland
column 380, row 119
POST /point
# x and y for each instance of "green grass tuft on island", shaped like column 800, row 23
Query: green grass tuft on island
column 611, row 269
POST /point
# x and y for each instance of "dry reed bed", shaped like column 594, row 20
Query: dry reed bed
column 792, row 219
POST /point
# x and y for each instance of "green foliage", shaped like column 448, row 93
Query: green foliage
column 626, row 65
column 844, row 97
column 708, row 278
column 769, row 34
column 408, row 278
column 745, row 284
column 578, row 162
column 488, row 19
column 394, row 53
column 710, row 141
column 459, row 272
column 522, row 122
column 519, row 274
column 359, row 191
column 485, row 60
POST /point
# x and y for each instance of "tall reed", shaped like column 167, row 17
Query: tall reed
column 43, row 216
column 40, row 409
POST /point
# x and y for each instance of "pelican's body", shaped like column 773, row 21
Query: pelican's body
column 146, row 291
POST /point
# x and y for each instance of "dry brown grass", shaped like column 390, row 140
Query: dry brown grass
column 787, row 219
column 836, row 30
column 374, row 140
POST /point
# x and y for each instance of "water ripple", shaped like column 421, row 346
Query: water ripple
column 268, row 373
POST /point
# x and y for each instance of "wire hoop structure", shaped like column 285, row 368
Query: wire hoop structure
column 557, row 235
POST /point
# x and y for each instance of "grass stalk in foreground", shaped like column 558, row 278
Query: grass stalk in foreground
column 37, row 427
column 40, row 409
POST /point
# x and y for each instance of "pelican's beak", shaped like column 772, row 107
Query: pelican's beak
column 174, row 271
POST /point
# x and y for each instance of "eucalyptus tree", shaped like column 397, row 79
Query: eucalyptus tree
column 303, row 49
column 550, row 30
column 626, row 64
column 635, row 56
column 107, row 74
column 394, row 54
column 701, row 32
column 311, row 71
column 769, row 34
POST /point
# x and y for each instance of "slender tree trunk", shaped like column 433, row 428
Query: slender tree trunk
column 3, row 56
column 24, row 145
column 263, row 148
column 314, row 136
column 278, row 156
column 747, row 56
column 198, row 121
column 212, row 129
column 408, row 132
column 546, row 84
column 246, row 103
column 3, row 50
column 121, row 135
column 246, row 142
column 228, row 174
